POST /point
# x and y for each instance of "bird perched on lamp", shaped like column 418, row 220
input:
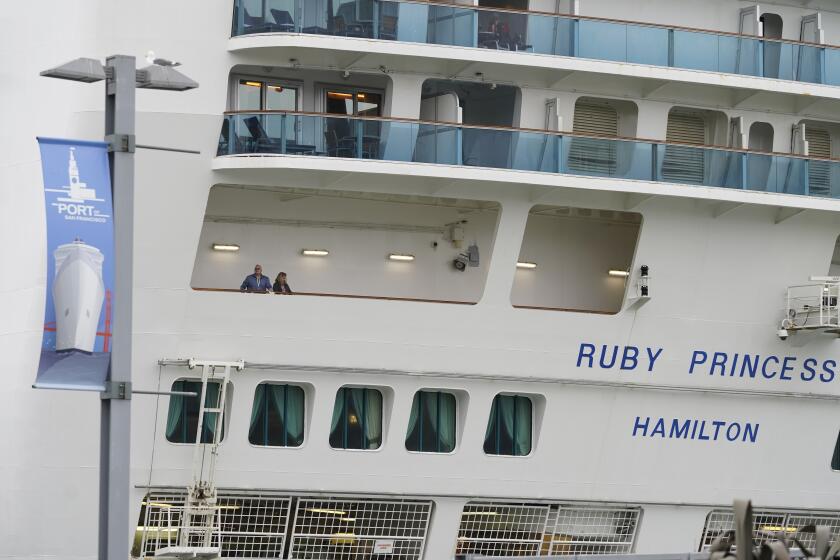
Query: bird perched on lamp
column 150, row 58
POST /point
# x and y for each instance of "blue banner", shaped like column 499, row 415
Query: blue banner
column 75, row 352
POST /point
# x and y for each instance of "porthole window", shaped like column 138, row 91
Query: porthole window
column 357, row 419
column 277, row 416
column 182, row 420
column 509, row 429
column 431, row 426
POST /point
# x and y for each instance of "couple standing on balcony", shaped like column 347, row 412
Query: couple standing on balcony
column 257, row 283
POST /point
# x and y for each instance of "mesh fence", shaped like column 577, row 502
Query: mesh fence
column 256, row 525
column 353, row 529
column 505, row 529
column 769, row 524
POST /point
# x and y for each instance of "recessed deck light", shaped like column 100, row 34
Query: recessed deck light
column 401, row 257
column 327, row 511
column 526, row 265
column 619, row 273
column 315, row 252
column 229, row 247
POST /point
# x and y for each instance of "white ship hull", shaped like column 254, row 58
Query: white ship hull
column 650, row 455
column 78, row 295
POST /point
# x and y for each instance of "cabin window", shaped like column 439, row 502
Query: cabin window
column 431, row 426
column 509, row 429
column 277, row 416
column 260, row 95
column 357, row 419
column 182, row 420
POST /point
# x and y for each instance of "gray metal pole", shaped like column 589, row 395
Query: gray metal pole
column 115, row 435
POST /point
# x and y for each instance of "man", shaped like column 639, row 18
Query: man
column 280, row 284
column 256, row 282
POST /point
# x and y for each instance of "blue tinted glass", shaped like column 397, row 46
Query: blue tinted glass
column 738, row 55
column 647, row 45
column 698, row 51
column 832, row 66
column 603, row 40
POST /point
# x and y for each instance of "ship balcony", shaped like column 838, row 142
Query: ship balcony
column 538, row 151
column 527, row 33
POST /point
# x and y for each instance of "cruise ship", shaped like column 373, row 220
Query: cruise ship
column 562, row 277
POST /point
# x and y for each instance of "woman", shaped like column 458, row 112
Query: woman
column 280, row 284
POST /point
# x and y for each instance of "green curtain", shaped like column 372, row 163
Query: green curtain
column 373, row 419
column 412, row 438
column 336, row 439
column 176, row 411
column 447, row 410
column 490, row 441
column 507, row 410
column 509, row 426
column 211, row 400
column 295, row 411
column 835, row 459
column 523, row 419
column 288, row 402
column 257, row 414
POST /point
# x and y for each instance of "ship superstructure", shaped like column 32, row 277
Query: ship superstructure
column 562, row 277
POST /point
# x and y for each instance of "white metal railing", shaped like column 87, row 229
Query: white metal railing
column 276, row 525
column 812, row 306
column 521, row 529
column 168, row 525
column 358, row 529
column 769, row 523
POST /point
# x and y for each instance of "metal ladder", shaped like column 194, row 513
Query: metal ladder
column 200, row 520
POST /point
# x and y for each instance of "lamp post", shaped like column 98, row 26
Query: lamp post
column 121, row 79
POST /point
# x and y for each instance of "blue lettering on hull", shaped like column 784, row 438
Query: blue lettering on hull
column 695, row 429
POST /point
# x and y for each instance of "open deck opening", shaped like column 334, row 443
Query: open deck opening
column 347, row 244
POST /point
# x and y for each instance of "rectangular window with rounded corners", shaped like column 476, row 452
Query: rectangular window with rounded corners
column 431, row 426
column 342, row 244
column 277, row 416
column 576, row 259
column 510, row 427
column 182, row 420
column 357, row 419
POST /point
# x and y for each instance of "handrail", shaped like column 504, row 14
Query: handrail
column 530, row 130
column 345, row 296
column 416, row 300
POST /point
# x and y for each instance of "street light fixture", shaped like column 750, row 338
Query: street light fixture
column 121, row 79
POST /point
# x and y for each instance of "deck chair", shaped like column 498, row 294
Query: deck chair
column 283, row 21
column 262, row 143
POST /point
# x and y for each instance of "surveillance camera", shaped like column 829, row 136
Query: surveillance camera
column 782, row 334
column 460, row 264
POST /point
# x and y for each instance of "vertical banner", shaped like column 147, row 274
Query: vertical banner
column 75, row 352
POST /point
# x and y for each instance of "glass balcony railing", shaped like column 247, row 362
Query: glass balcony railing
column 548, row 34
column 525, row 150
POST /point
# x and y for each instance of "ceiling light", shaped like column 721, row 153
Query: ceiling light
column 528, row 265
column 230, row 247
column 401, row 257
column 328, row 511
column 315, row 252
column 253, row 84
column 490, row 513
column 619, row 273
